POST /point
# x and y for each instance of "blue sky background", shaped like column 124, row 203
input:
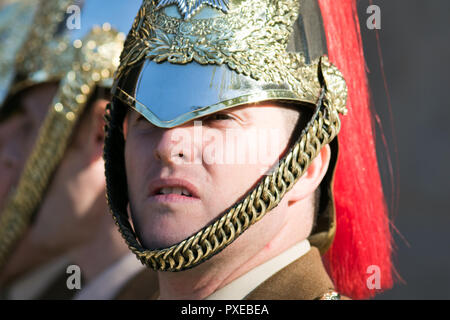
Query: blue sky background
column 119, row 13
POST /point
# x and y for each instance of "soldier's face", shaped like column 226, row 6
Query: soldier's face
column 18, row 133
column 183, row 178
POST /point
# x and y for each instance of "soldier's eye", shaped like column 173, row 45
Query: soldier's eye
column 218, row 116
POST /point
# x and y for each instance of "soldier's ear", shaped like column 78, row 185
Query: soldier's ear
column 125, row 125
column 311, row 179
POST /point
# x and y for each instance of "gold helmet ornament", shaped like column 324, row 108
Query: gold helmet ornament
column 184, row 59
column 80, row 60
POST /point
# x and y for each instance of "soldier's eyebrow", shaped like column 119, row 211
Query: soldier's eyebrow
column 243, row 114
column 241, row 111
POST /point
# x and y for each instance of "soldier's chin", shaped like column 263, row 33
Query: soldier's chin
column 157, row 242
column 165, row 228
column 160, row 240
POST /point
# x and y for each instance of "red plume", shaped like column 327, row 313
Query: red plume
column 362, row 245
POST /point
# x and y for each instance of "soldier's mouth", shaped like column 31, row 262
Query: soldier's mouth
column 174, row 190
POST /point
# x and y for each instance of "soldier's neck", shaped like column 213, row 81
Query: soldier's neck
column 200, row 282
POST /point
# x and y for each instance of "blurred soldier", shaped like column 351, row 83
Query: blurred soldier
column 193, row 72
column 55, row 234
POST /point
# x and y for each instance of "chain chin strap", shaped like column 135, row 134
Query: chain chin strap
column 320, row 130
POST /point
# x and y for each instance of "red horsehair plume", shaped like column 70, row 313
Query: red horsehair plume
column 363, row 237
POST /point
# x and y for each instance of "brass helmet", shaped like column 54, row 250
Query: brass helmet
column 216, row 55
column 80, row 57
